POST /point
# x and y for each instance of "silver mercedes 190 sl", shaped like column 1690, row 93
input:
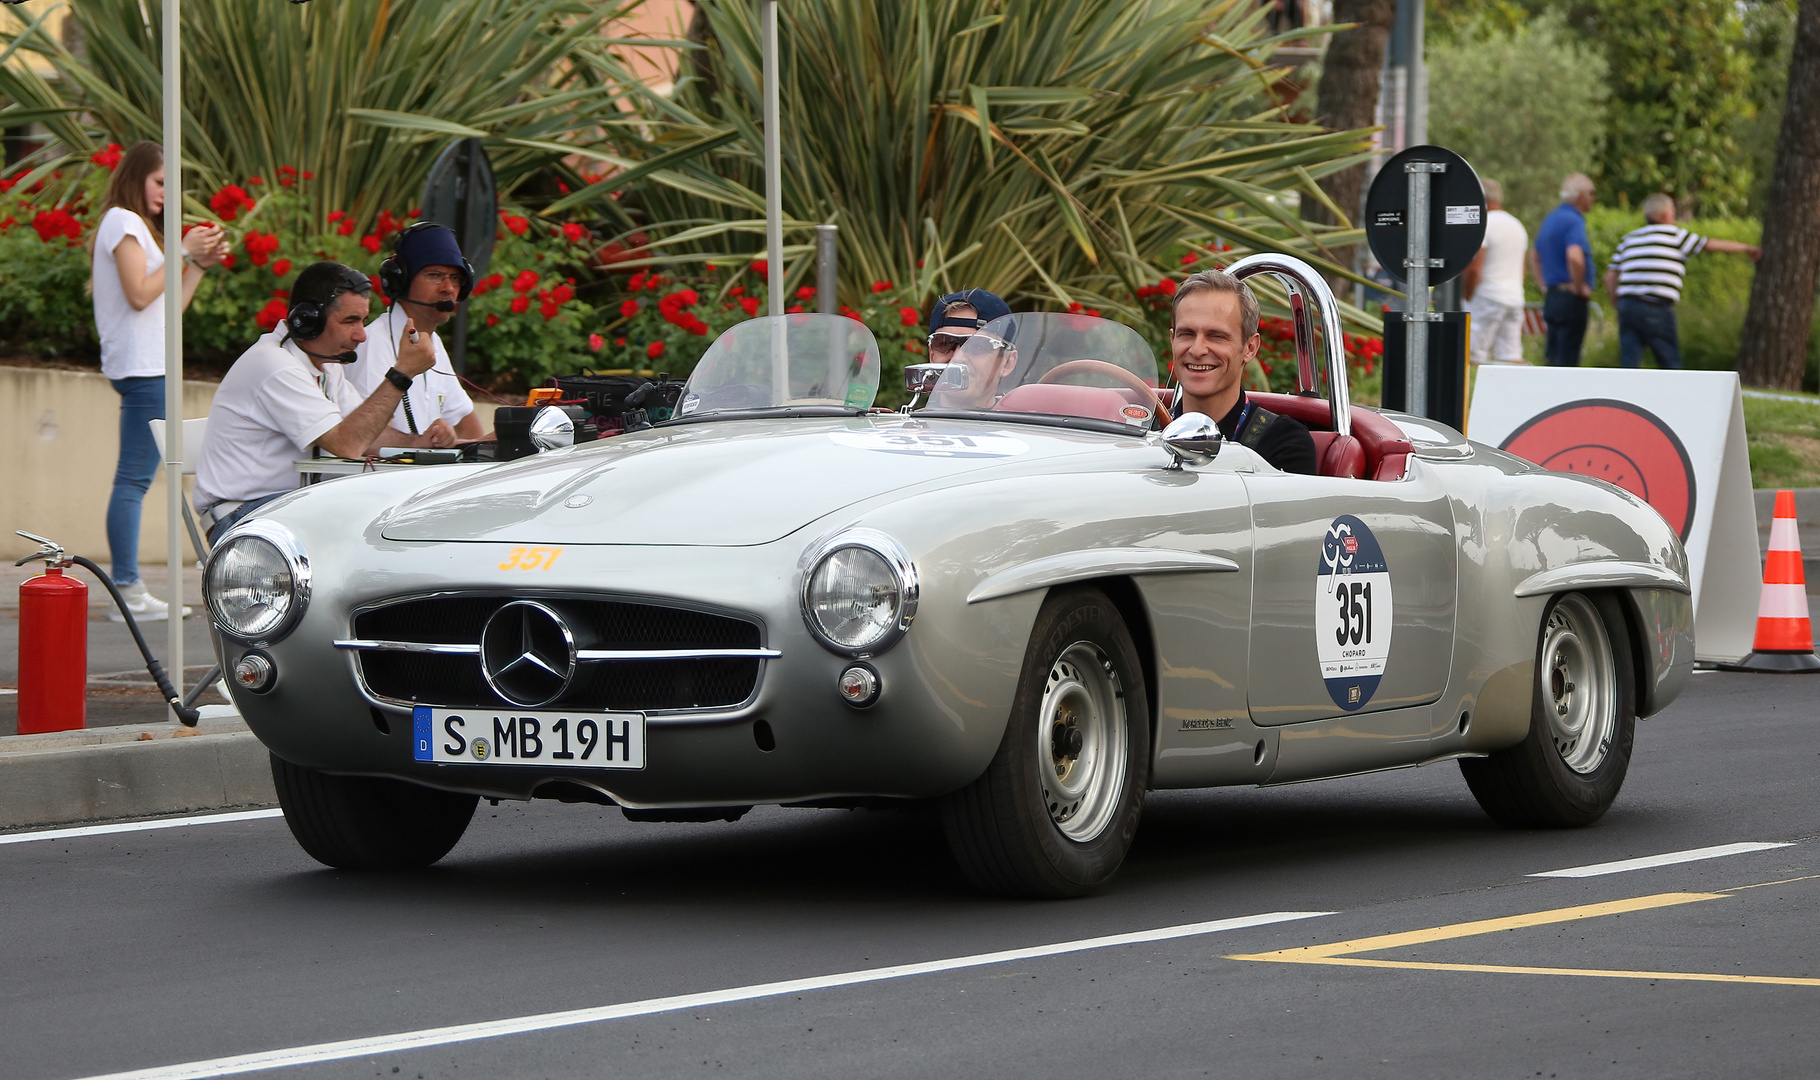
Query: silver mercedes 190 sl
column 1023, row 601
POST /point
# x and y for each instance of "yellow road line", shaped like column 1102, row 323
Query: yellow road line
column 1341, row 953
column 1315, row 953
column 1762, row 884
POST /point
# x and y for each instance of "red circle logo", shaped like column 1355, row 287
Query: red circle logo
column 1617, row 442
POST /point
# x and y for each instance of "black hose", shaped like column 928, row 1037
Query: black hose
column 184, row 713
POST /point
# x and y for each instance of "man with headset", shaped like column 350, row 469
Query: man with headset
column 427, row 278
column 288, row 393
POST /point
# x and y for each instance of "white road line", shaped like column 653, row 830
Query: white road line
column 1668, row 859
column 137, row 826
column 493, row 1029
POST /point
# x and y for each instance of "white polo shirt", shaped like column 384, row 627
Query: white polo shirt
column 269, row 410
column 436, row 392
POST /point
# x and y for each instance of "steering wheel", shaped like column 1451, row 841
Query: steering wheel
column 1101, row 367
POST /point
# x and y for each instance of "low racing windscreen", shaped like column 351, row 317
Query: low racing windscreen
column 785, row 362
column 1047, row 364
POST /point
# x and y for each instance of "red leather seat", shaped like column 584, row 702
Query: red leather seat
column 1063, row 399
column 1377, row 449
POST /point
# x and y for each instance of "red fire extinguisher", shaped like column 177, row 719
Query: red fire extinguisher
column 53, row 653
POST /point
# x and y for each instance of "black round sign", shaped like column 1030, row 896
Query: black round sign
column 1456, row 214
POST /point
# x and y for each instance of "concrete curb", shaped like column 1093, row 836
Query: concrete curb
column 107, row 774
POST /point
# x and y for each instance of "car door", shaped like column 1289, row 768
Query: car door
column 1354, row 587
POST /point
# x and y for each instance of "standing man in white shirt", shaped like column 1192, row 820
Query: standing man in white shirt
column 1493, row 284
column 288, row 393
column 427, row 274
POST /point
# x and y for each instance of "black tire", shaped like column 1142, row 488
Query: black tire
column 369, row 822
column 1003, row 831
column 1553, row 779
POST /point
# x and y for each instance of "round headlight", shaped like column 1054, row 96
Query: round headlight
column 257, row 583
column 860, row 594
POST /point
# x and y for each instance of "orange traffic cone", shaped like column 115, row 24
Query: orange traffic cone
column 1785, row 640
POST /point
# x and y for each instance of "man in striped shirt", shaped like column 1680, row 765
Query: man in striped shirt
column 1645, row 278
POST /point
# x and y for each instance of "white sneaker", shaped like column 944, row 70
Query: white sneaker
column 144, row 606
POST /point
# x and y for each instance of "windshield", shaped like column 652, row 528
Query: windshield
column 1049, row 364
column 785, row 362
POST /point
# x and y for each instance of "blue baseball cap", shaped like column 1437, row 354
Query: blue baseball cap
column 987, row 306
column 427, row 244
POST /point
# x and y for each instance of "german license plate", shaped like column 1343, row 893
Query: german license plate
column 490, row 737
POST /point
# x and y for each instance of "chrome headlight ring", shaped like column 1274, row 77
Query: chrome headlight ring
column 896, row 560
column 296, row 562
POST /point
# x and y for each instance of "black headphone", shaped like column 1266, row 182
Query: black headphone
column 395, row 277
column 308, row 315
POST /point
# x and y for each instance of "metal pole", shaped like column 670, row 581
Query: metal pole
column 774, row 191
column 827, row 243
column 1418, row 78
column 173, row 341
column 1416, row 264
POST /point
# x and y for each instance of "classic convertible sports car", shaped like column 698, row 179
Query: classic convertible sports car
column 1023, row 601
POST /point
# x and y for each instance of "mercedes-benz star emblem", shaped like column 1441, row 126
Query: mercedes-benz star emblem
column 527, row 653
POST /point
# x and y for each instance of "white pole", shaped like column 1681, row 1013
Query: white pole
column 774, row 190
column 173, row 342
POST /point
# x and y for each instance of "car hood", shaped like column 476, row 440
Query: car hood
column 726, row 483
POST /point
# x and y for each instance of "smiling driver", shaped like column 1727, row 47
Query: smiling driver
column 1213, row 335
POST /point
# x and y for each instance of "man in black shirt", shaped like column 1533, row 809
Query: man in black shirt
column 1213, row 335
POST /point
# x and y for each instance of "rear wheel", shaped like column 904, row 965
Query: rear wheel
column 369, row 822
column 1056, row 810
column 1583, row 717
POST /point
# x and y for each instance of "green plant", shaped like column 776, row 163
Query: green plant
column 1525, row 105
column 358, row 92
column 1053, row 152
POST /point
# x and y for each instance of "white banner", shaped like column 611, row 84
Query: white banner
column 1674, row 439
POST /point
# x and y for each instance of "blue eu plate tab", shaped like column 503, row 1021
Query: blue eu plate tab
column 420, row 733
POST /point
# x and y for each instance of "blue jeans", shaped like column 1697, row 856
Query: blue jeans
column 141, row 400
column 1565, row 316
column 1641, row 325
column 217, row 530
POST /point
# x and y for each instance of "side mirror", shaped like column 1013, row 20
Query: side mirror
column 1193, row 438
column 552, row 429
column 927, row 378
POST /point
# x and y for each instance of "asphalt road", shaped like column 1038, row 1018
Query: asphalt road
column 137, row 950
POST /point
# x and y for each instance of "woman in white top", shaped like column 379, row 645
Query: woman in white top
column 128, row 283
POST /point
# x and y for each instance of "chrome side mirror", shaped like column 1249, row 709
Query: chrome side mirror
column 552, row 429
column 1193, row 439
column 925, row 378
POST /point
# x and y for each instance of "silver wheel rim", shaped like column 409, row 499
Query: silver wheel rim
column 1081, row 744
column 1579, row 684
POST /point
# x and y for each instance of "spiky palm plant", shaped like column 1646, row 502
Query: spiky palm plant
column 1054, row 150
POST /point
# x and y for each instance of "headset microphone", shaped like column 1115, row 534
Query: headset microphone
column 349, row 357
column 440, row 305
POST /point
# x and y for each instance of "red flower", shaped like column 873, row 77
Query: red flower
column 1074, row 308
column 415, row 214
column 108, row 157
column 525, row 281
column 736, row 290
column 377, row 289
column 563, row 293
column 761, row 267
column 909, row 316
column 574, row 233
column 619, row 341
column 596, row 342
column 346, row 228
column 337, row 215
column 230, row 201
column 628, row 309
column 882, row 286
column 549, row 309
column 492, row 319
column 371, row 242
column 794, row 309
column 287, row 181
column 1188, row 259
column 229, row 260
column 518, row 225
column 520, row 305
column 494, row 281
column 271, row 315
column 308, row 175
column 654, row 350
column 637, row 282
column 805, row 293
column 52, row 224
column 750, row 303
column 6, row 184
column 1166, row 286
column 281, row 267
column 254, row 180
column 287, row 170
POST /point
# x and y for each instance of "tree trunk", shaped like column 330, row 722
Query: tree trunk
column 1349, row 99
column 1773, row 351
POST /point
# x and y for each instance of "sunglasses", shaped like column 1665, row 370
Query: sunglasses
column 945, row 344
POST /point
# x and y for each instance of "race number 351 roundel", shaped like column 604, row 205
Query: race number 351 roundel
column 1617, row 442
column 1352, row 613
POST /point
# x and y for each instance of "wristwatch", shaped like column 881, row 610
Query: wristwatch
column 399, row 379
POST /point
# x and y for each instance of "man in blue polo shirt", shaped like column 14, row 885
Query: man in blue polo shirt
column 1563, row 265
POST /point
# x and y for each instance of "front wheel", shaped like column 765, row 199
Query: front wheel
column 1583, row 716
column 369, row 822
column 1056, row 810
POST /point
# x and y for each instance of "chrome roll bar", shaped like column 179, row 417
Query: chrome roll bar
column 1301, row 282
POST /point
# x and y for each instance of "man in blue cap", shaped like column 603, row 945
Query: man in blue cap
column 427, row 275
column 955, row 318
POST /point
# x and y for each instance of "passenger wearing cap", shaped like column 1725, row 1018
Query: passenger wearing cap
column 1213, row 335
column 288, row 393
column 955, row 318
column 428, row 278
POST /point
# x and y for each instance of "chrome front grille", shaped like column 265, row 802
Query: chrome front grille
column 633, row 657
